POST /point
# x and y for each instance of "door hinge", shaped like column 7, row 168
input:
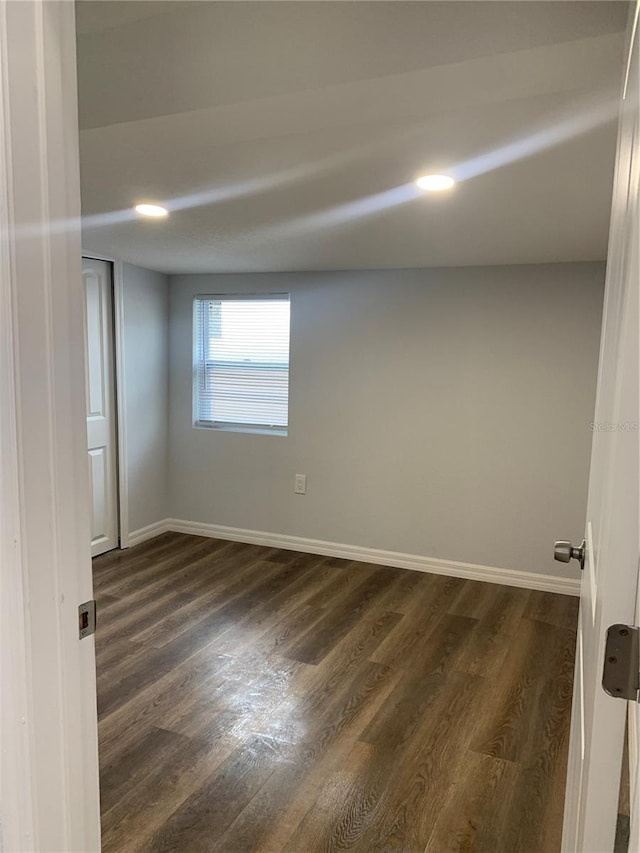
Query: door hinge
column 87, row 618
column 621, row 673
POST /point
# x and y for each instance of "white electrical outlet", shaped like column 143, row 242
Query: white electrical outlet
column 300, row 487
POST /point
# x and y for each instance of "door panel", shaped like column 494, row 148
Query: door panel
column 610, row 581
column 99, row 490
column 95, row 346
column 101, row 426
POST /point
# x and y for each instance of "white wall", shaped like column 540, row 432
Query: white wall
column 146, row 401
column 443, row 413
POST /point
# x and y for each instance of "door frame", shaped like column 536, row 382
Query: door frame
column 117, row 292
column 48, row 715
column 48, row 720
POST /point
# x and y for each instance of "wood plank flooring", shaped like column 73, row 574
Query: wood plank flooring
column 253, row 699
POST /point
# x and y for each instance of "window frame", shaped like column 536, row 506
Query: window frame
column 201, row 365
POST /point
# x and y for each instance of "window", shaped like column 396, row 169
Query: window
column 241, row 362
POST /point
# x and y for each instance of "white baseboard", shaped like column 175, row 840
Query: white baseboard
column 148, row 532
column 509, row 577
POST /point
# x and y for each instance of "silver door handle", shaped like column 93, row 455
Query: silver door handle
column 564, row 551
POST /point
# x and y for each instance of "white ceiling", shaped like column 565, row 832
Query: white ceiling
column 286, row 135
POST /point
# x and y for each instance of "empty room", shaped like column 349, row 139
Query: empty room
column 338, row 305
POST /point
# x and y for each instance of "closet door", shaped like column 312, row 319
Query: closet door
column 101, row 414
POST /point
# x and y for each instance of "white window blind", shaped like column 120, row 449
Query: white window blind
column 241, row 362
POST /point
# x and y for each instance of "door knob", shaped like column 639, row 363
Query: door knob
column 564, row 551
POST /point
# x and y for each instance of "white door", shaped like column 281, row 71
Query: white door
column 610, row 578
column 101, row 415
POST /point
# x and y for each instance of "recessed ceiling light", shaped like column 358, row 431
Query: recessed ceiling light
column 151, row 210
column 434, row 183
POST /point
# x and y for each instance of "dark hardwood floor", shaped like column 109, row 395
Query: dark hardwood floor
column 253, row 699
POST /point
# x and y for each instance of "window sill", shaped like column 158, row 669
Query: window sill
column 255, row 430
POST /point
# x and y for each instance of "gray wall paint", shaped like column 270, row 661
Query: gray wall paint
column 440, row 412
column 146, row 401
